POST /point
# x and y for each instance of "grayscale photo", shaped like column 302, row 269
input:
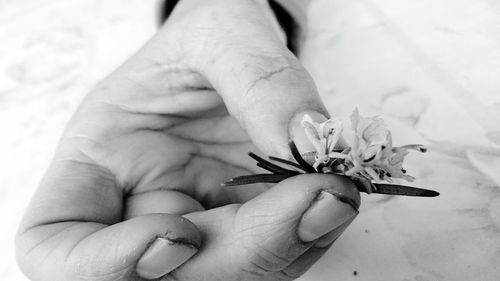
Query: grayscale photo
column 275, row 140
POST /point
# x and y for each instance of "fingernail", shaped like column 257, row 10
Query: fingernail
column 163, row 256
column 330, row 237
column 328, row 212
column 297, row 133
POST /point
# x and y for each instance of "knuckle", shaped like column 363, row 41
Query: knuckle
column 290, row 274
column 92, row 268
column 263, row 261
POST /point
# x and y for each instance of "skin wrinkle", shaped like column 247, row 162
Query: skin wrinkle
column 119, row 188
column 232, row 158
column 261, row 271
column 292, row 276
column 266, row 215
column 163, row 189
column 255, row 250
column 170, row 276
column 270, row 257
column 188, row 77
column 173, row 91
column 299, row 266
column 49, row 252
column 203, row 146
column 194, row 150
column 213, row 124
column 265, row 77
column 245, row 235
column 206, row 142
column 196, row 192
column 140, row 180
column 126, row 271
column 53, row 222
column 129, row 78
column 51, row 236
column 89, row 149
column 143, row 181
column 82, row 153
column 72, row 217
column 168, row 120
column 184, row 71
column 188, row 103
column 119, row 275
column 87, row 235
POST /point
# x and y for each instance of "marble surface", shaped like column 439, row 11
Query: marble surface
column 430, row 68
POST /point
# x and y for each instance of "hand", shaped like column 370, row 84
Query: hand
column 134, row 190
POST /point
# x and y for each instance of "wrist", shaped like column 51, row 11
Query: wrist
column 287, row 18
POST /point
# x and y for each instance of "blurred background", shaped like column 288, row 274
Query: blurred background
column 431, row 68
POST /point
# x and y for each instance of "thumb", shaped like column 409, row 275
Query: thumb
column 262, row 83
column 283, row 223
column 268, row 93
column 277, row 235
column 147, row 246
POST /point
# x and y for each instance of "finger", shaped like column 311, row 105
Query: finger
column 299, row 266
column 149, row 246
column 261, row 82
column 72, row 230
column 160, row 201
column 275, row 233
column 304, row 209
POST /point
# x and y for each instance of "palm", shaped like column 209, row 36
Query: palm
column 193, row 156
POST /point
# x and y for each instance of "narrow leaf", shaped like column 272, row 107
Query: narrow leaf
column 396, row 189
column 263, row 163
column 259, row 178
column 296, row 155
column 293, row 164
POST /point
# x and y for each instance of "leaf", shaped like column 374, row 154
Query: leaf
column 258, row 178
column 296, row 155
column 263, row 163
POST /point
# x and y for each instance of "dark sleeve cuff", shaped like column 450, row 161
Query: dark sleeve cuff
column 286, row 21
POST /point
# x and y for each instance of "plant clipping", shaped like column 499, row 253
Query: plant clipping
column 370, row 161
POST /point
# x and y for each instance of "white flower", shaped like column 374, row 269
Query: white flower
column 372, row 155
column 324, row 137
